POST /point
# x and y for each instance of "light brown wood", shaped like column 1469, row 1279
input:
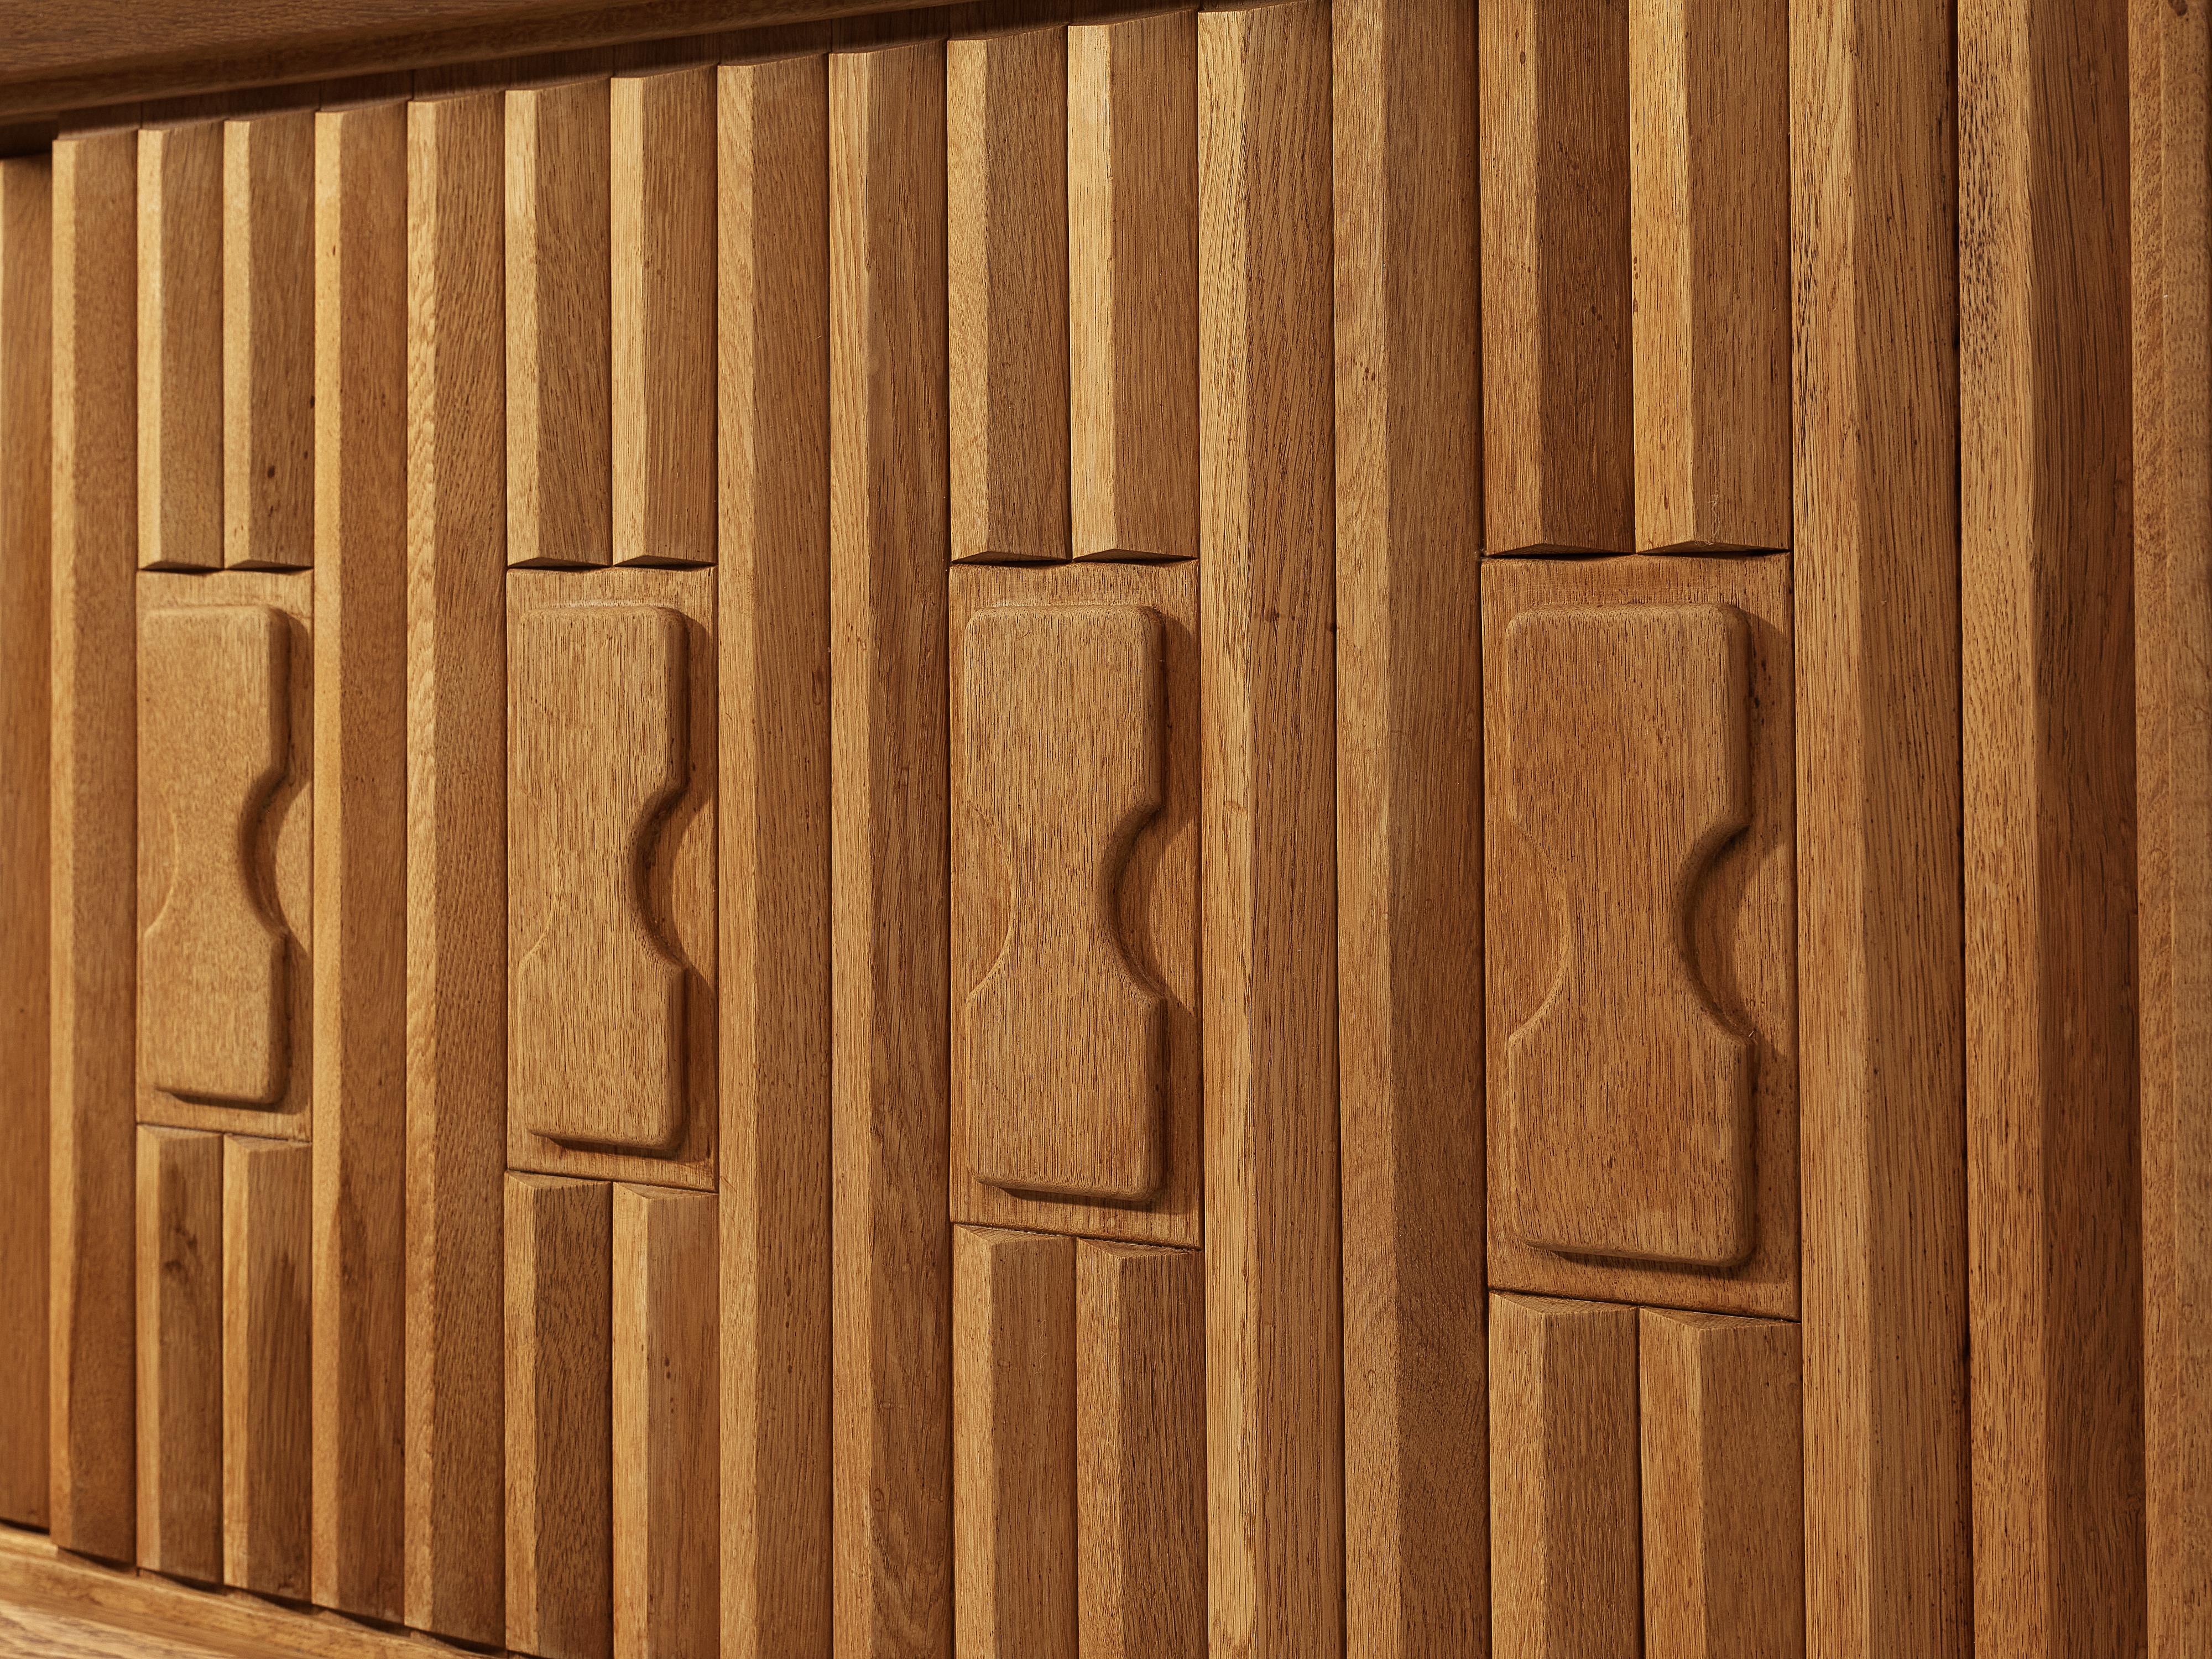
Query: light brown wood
column 1565, row 1574
column 456, row 878
column 560, row 460
column 891, row 1054
column 667, row 1465
column 268, row 1189
column 179, row 1311
column 559, row 1459
column 2055, row 1269
column 94, row 842
column 1014, row 1440
column 774, row 624
column 1007, row 259
column 1881, row 981
column 268, row 340
column 1132, row 287
column 1708, row 236
column 662, row 242
column 1724, row 1486
column 1140, row 1425
column 1680, row 969
column 1274, row 1375
column 180, row 344
column 1558, row 456
column 25, row 584
column 1143, row 889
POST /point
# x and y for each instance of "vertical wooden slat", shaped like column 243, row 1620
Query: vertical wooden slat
column 1006, row 274
column 1879, row 979
column 1408, row 507
column 179, row 1311
column 1558, row 459
column 1724, row 1486
column 268, row 340
column 1132, row 287
column 26, row 582
column 1274, row 1383
column 662, row 167
column 667, row 1469
column 1709, row 198
column 889, row 941
column 772, row 591
column 559, row 411
column 95, row 841
column 2055, row 1275
column 180, row 347
column 267, row 1205
column 456, row 858
column 560, row 1464
column 1563, row 1520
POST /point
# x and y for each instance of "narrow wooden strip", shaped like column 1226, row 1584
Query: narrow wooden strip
column 1274, row 1381
column 666, row 1420
column 456, row 850
column 180, row 424
column 94, row 840
column 268, row 340
column 890, row 1060
column 560, row 1466
column 1006, row 249
column 180, row 1336
column 774, row 898
column 1724, row 1486
column 267, row 1205
column 1409, row 801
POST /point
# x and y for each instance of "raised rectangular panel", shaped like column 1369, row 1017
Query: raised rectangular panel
column 181, row 345
column 1132, row 287
column 267, row 1203
column 268, row 340
column 179, row 1320
column 1640, row 932
column 1075, row 920
column 1006, row 274
column 1564, row 1508
column 559, row 409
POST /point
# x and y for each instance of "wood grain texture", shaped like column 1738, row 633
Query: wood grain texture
column 891, row 1063
column 1875, row 274
column 180, row 345
column 25, row 699
column 559, row 461
column 1409, row 804
column 1132, row 287
column 1558, row 451
column 2171, row 289
column 663, row 240
column 772, row 591
column 1731, row 933
column 1724, row 1486
column 268, row 1203
column 1709, row 238
column 456, row 876
column 667, row 1464
column 179, row 1312
column 1565, row 1574
column 560, row 1417
column 268, row 340
column 1274, row 1376
column 360, row 811
column 94, row 842
column 1139, row 1383
column 2055, row 1269
column 1014, row 1441
column 1007, row 259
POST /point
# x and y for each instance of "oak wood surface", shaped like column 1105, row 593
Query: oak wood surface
column 267, row 1220
column 180, row 347
column 181, row 1237
column 268, row 340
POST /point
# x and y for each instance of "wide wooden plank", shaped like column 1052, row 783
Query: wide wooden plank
column 267, row 1223
column 890, row 1060
column 268, row 340
column 180, row 347
column 179, row 1312
column 1275, row 1379
column 1409, row 796
column 456, row 887
column 94, row 840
